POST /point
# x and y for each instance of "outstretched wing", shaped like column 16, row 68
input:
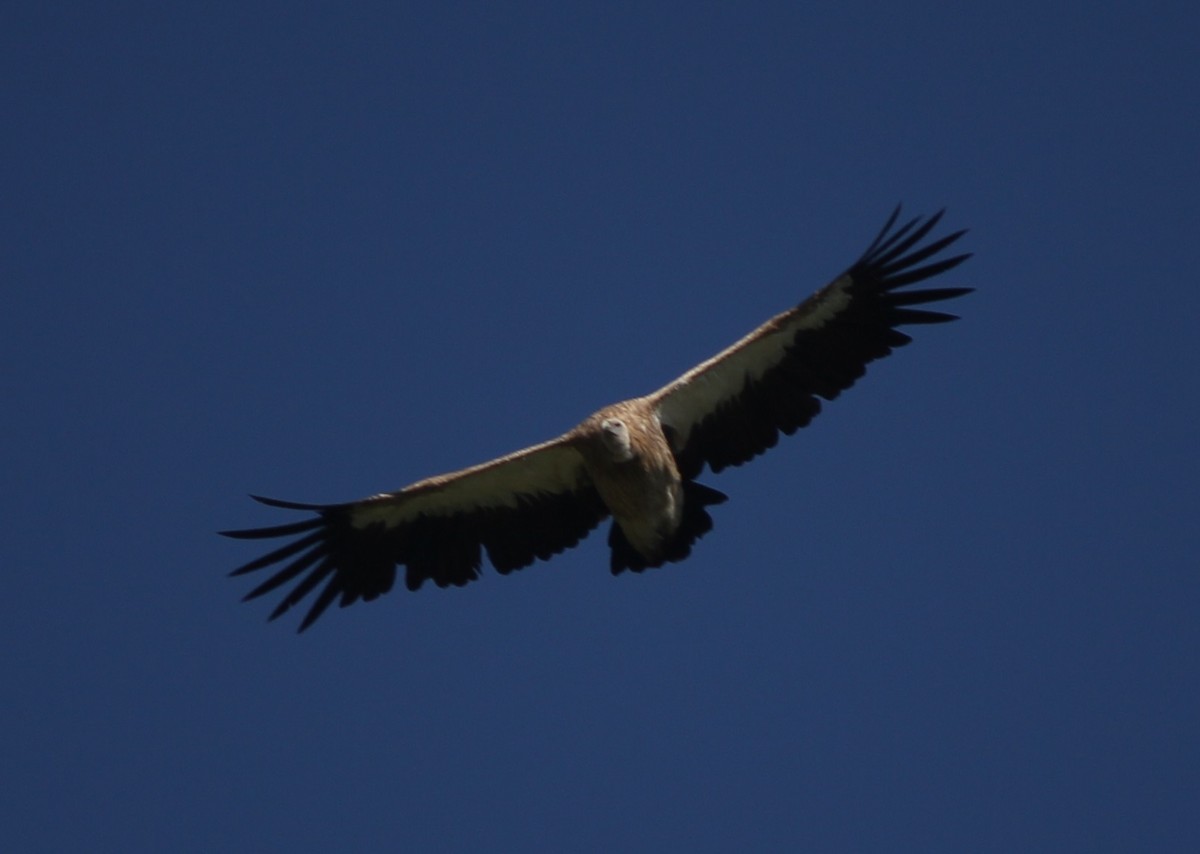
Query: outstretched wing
column 731, row 408
column 528, row 505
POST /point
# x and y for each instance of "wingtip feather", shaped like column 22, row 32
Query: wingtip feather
column 287, row 505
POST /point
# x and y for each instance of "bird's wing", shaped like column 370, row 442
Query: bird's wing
column 524, row 506
column 732, row 407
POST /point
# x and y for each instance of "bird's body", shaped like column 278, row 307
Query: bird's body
column 635, row 461
column 627, row 458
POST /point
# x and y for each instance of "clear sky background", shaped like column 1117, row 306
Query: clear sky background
column 319, row 250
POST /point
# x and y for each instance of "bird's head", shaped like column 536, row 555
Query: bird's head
column 615, row 434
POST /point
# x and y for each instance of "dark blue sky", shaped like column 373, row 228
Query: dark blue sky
column 322, row 250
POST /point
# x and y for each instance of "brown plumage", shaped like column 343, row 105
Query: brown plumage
column 636, row 460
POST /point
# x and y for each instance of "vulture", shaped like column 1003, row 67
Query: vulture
column 636, row 461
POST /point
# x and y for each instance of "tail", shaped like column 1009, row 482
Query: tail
column 695, row 524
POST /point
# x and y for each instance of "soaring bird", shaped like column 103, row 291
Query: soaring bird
column 636, row 461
